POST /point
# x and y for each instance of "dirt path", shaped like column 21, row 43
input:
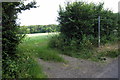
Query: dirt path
column 78, row 68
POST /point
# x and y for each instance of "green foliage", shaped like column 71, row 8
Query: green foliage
column 86, row 50
column 79, row 18
column 105, row 54
column 31, row 49
column 72, row 47
column 11, row 37
column 79, row 28
column 38, row 47
column 118, row 26
column 112, row 54
column 60, row 42
column 11, row 68
column 40, row 28
column 28, row 66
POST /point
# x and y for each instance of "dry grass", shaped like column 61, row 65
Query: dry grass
column 108, row 47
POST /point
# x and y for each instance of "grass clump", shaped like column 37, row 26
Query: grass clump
column 100, row 56
column 31, row 69
column 111, row 54
column 28, row 66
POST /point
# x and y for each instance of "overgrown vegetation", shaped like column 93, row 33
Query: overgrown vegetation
column 79, row 29
column 79, row 19
column 11, row 38
column 32, row 49
column 39, row 29
column 28, row 63
column 78, row 37
column 86, row 50
column 38, row 46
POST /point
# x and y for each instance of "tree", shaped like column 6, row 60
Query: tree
column 10, row 36
column 79, row 18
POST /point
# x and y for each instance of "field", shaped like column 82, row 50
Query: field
column 42, row 34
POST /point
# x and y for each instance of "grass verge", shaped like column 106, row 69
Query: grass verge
column 86, row 50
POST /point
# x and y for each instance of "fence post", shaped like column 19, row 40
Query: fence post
column 98, row 31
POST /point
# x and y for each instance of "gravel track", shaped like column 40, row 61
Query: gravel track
column 78, row 68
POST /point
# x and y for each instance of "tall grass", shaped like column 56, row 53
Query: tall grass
column 33, row 48
column 28, row 66
column 38, row 46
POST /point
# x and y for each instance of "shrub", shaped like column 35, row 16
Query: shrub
column 28, row 67
column 62, row 43
column 11, row 37
column 79, row 19
column 79, row 28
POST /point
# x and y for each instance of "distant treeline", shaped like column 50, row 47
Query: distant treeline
column 39, row 28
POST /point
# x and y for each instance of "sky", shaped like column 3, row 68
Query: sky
column 47, row 13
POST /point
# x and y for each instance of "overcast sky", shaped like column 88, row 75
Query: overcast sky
column 47, row 12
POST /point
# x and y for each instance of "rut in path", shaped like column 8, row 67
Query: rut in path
column 78, row 68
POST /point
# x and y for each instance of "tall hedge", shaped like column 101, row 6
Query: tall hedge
column 10, row 36
column 80, row 18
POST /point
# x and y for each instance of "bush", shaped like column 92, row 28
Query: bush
column 79, row 28
column 79, row 20
column 11, row 37
column 83, row 49
column 62, row 43
column 109, row 39
column 56, row 41
column 11, row 68
column 29, row 68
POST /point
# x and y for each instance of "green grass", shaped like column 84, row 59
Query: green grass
column 85, row 51
column 98, row 56
column 111, row 54
column 38, row 46
column 93, row 55
column 28, row 66
column 34, row 48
